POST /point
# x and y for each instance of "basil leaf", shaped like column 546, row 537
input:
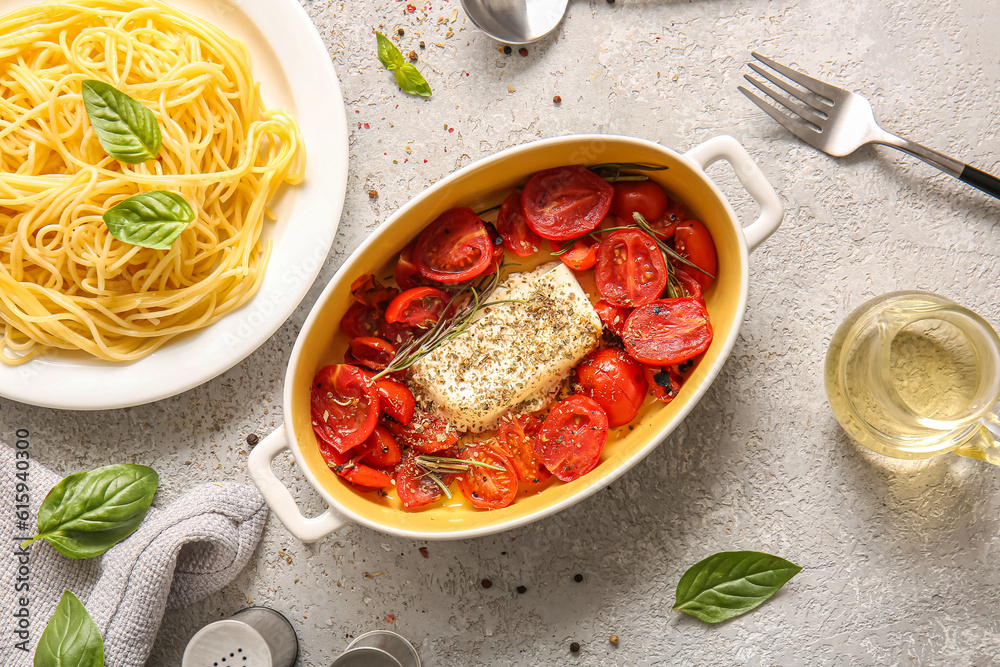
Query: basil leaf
column 410, row 80
column 151, row 219
column 71, row 638
column 731, row 583
column 388, row 52
column 408, row 77
column 87, row 513
column 127, row 130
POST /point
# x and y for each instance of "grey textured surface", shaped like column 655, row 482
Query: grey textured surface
column 900, row 565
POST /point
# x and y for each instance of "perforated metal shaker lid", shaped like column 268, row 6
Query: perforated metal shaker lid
column 254, row 637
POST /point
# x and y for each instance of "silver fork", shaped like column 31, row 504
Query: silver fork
column 839, row 122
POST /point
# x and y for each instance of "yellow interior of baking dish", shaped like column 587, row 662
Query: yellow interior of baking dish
column 483, row 185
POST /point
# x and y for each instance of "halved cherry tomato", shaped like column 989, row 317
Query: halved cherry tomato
column 397, row 333
column 572, row 437
column 651, row 202
column 343, row 406
column 630, row 270
column 395, row 400
column 691, row 286
column 453, row 248
column 382, row 448
column 425, row 433
column 517, row 436
column 581, row 256
column 368, row 290
column 364, row 475
column 565, row 202
column 407, row 274
column 615, row 381
column 694, row 242
column 664, row 382
column 517, row 236
column 372, row 352
column 415, row 489
column 613, row 316
column 487, row 488
column 667, row 332
column 360, row 320
column 497, row 242
column 418, row 307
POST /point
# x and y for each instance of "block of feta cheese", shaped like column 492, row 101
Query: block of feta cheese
column 514, row 354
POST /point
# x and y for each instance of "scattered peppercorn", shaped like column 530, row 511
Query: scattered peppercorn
column 523, row 51
column 613, row 639
column 252, row 439
column 486, row 583
column 611, row 2
column 400, row 32
column 422, row 45
column 574, row 647
column 577, row 578
column 423, row 551
column 372, row 194
column 557, row 100
column 506, row 50
column 522, row 589
column 412, row 55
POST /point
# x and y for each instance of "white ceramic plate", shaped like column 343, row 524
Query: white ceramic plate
column 296, row 74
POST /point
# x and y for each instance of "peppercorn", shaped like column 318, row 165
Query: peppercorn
column 506, row 50
column 400, row 32
column 574, row 647
column 486, row 583
column 372, row 194
column 577, row 578
column 412, row 55
column 613, row 639
column 557, row 100
column 522, row 589
column 523, row 51
column 252, row 439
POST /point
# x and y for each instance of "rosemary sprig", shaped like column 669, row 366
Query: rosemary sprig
column 644, row 226
column 619, row 171
column 431, row 466
column 463, row 306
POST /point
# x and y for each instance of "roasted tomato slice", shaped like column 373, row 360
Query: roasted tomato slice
column 514, row 230
column 425, row 433
column 368, row 290
column 407, row 274
column 582, row 255
column 692, row 288
column 395, row 400
column 667, row 332
column 487, row 488
column 454, row 248
column 372, row 352
column 358, row 473
column 615, row 381
column 517, row 437
column 565, row 202
column 344, row 406
column 382, row 449
column 415, row 489
column 630, row 270
column 613, row 316
column 694, row 242
column 572, row 437
column 664, row 382
column 418, row 307
column 360, row 320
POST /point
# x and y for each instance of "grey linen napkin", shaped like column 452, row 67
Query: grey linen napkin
column 178, row 555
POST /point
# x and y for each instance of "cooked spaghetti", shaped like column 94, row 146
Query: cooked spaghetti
column 65, row 282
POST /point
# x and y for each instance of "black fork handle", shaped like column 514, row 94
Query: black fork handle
column 980, row 179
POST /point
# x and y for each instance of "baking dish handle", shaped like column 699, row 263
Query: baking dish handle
column 279, row 499
column 726, row 148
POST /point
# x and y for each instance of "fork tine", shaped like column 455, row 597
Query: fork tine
column 806, row 113
column 800, row 129
column 810, row 99
column 807, row 82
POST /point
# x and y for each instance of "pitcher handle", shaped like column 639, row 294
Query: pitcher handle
column 986, row 445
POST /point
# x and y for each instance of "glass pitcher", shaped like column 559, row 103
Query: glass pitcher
column 913, row 375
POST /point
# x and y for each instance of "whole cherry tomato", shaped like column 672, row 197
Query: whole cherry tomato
column 667, row 332
column 694, row 242
column 565, row 202
column 615, row 381
column 572, row 437
column 651, row 202
column 343, row 406
column 630, row 270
